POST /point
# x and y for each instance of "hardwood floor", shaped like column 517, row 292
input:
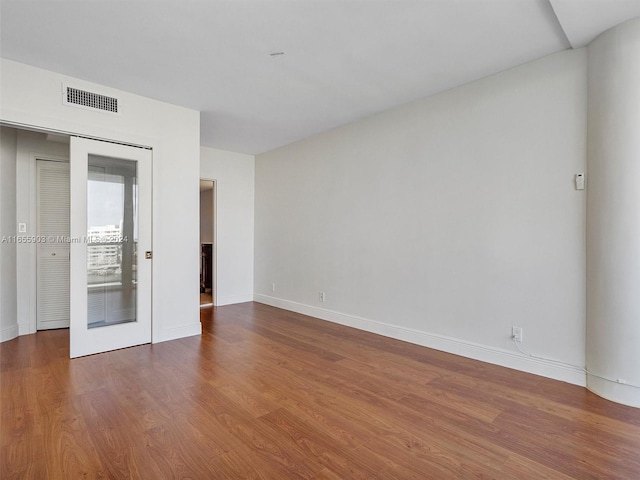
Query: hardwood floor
column 206, row 299
column 266, row 393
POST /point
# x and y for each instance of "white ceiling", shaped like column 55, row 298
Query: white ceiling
column 342, row 59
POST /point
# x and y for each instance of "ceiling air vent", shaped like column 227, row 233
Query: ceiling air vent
column 95, row 101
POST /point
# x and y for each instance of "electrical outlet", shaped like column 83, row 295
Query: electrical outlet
column 273, row 287
column 322, row 296
column 516, row 333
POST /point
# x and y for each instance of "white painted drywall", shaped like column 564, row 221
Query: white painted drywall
column 32, row 96
column 443, row 222
column 8, row 229
column 234, row 176
column 613, row 226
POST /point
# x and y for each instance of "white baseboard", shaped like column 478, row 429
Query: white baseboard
column 231, row 299
column 25, row 329
column 546, row 368
column 178, row 332
column 9, row 333
column 614, row 391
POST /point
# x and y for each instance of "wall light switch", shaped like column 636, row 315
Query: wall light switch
column 579, row 181
column 22, row 227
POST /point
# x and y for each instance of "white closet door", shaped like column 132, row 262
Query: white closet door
column 52, row 247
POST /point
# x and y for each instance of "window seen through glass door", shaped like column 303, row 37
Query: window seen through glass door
column 112, row 209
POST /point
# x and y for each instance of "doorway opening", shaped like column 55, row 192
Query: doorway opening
column 41, row 226
column 50, row 226
column 207, row 243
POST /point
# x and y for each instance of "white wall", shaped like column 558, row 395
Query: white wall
column 443, row 222
column 32, row 96
column 8, row 312
column 234, row 176
column 613, row 226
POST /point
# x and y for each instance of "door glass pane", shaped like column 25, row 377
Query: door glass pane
column 112, row 220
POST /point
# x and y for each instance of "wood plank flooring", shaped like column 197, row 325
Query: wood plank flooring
column 266, row 393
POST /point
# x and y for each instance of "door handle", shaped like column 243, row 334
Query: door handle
column 148, row 255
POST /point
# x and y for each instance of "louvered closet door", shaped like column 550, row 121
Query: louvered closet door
column 52, row 246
